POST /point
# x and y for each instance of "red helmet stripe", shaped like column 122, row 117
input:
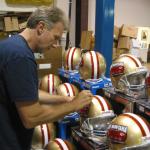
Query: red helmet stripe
column 92, row 77
column 72, row 89
column 59, row 144
column 42, row 132
column 133, row 59
column 68, row 57
column 100, row 102
column 52, row 84
column 137, row 122
column 48, row 132
column 108, row 105
column 48, row 83
column 67, row 145
column 67, row 89
column 72, row 57
column 98, row 66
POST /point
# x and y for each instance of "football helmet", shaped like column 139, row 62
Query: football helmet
column 92, row 65
column 49, row 83
column 59, row 144
column 72, row 58
column 42, row 135
column 128, row 76
column 148, row 85
column 98, row 105
column 128, row 131
column 67, row 89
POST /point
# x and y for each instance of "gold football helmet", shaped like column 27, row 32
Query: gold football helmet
column 92, row 65
column 98, row 105
column 42, row 135
column 128, row 131
column 67, row 89
column 128, row 75
column 49, row 83
column 59, row 144
column 72, row 58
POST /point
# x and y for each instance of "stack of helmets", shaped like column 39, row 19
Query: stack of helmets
column 92, row 65
column 60, row 144
column 72, row 58
column 49, row 83
column 67, row 89
column 129, row 131
column 42, row 135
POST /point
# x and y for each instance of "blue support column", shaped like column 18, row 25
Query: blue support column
column 104, row 25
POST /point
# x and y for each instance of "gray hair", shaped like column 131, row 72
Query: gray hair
column 50, row 15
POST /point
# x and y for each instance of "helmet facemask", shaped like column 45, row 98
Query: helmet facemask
column 133, row 84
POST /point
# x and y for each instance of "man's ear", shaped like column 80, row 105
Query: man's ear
column 40, row 27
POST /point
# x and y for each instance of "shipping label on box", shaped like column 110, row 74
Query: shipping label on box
column 128, row 30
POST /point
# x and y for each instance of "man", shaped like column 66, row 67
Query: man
column 21, row 106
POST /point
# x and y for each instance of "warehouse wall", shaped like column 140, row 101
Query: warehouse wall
column 133, row 12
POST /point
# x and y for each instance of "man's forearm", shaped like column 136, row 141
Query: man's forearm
column 46, row 98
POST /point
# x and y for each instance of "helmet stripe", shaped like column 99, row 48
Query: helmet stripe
column 135, row 60
column 92, row 65
column 141, row 124
column 52, row 84
column 95, row 65
column 48, row 86
column 98, row 66
column 44, row 135
column 48, row 133
column 106, row 108
column 72, row 89
column 61, row 144
column 100, row 102
column 68, row 57
column 72, row 58
column 69, row 89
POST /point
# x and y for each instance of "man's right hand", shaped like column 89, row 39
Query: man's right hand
column 83, row 99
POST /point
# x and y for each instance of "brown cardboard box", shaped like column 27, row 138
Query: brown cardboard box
column 124, row 43
column 8, row 23
column 116, row 32
column 121, row 51
column 87, row 40
column 128, row 30
column 15, row 24
column 11, row 23
column 51, row 63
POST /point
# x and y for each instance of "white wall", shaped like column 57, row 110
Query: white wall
column 133, row 12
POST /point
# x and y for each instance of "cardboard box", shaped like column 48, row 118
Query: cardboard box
column 121, row 51
column 11, row 23
column 15, row 24
column 124, row 43
column 128, row 30
column 87, row 40
column 116, row 32
column 51, row 62
column 8, row 23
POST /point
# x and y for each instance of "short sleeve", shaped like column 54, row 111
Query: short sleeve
column 21, row 79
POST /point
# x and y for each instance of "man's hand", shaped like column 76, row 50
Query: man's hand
column 83, row 99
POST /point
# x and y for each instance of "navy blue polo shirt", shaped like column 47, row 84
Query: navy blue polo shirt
column 18, row 83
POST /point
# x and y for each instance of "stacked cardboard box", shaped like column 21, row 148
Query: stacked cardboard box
column 123, row 39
